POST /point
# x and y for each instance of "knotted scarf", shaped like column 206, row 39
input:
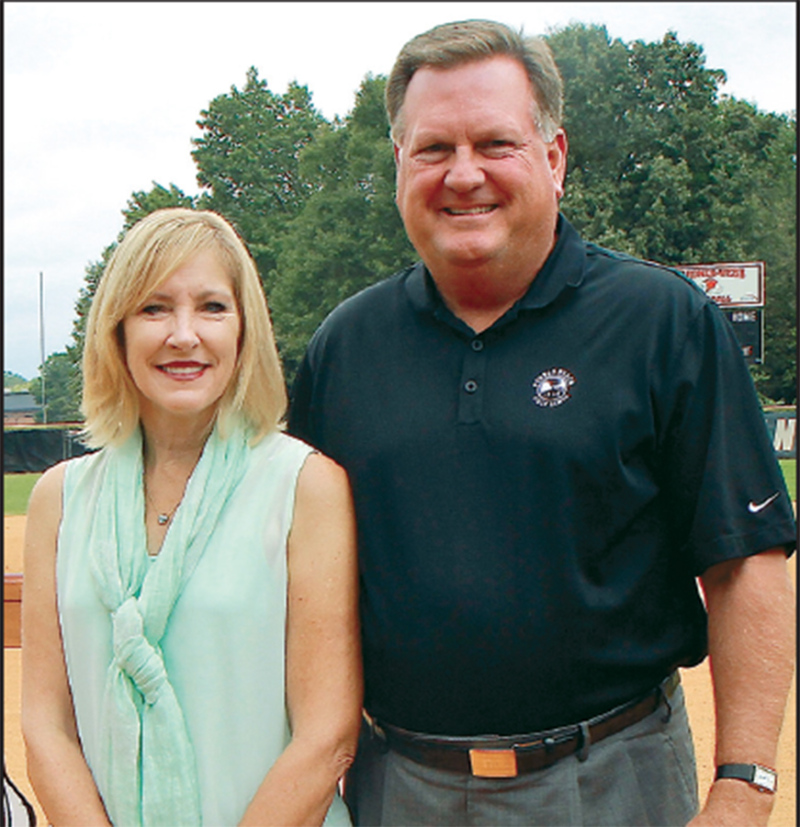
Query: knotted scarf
column 146, row 773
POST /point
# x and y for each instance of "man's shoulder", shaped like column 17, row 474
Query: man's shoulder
column 372, row 305
column 617, row 275
column 648, row 278
column 375, row 295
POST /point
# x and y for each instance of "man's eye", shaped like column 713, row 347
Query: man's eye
column 497, row 147
column 433, row 152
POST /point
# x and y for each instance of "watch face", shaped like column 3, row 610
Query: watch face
column 764, row 778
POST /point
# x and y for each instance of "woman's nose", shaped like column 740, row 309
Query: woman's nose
column 184, row 331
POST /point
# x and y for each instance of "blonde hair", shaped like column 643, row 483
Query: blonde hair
column 151, row 251
column 453, row 44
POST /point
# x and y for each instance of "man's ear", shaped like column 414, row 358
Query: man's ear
column 557, row 157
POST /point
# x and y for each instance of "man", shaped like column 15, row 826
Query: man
column 548, row 442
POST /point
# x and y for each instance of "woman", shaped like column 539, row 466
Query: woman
column 190, row 633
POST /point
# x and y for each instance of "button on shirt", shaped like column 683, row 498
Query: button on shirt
column 535, row 502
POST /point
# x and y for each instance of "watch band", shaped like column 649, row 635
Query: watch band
column 762, row 778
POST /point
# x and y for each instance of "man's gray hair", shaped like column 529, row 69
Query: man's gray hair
column 453, row 44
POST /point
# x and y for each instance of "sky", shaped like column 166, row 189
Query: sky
column 102, row 99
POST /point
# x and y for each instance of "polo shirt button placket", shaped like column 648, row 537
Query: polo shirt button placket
column 472, row 376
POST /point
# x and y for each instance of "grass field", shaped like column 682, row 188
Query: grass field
column 17, row 487
column 789, row 468
column 16, row 491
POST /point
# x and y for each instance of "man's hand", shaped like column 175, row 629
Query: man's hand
column 733, row 803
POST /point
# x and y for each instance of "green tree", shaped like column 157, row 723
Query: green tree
column 91, row 278
column 142, row 203
column 14, row 382
column 663, row 168
column 61, row 389
column 770, row 234
column 349, row 233
column 637, row 117
column 247, row 160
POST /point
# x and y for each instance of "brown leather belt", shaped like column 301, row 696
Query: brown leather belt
column 507, row 757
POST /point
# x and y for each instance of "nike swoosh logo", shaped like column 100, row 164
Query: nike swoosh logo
column 754, row 508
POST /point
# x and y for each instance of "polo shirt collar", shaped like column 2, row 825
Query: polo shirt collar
column 563, row 268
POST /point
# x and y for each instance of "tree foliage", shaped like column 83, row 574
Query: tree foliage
column 247, row 159
column 664, row 168
column 159, row 197
column 14, row 382
column 60, row 396
column 661, row 166
column 349, row 233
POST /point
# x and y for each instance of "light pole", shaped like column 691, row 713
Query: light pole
column 41, row 345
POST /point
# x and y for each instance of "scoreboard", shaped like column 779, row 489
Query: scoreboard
column 738, row 288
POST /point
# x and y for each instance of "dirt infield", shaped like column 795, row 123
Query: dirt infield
column 696, row 682
column 13, row 535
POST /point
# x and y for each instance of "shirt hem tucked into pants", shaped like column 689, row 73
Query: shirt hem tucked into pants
column 643, row 775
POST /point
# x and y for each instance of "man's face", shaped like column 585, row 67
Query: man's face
column 476, row 184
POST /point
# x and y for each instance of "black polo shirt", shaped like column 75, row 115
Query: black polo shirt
column 535, row 502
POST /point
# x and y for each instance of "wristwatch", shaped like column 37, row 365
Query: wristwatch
column 762, row 778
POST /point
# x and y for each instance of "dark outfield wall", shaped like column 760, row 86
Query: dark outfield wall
column 782, row 427
column 38, row 448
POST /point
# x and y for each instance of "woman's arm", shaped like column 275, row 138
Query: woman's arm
column 56, row 767
column 323, row 653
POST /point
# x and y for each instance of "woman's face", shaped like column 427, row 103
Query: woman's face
column 182, row 343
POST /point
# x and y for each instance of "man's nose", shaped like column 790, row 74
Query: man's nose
column 465, row 172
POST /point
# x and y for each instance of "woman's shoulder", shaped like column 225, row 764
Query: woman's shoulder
column 278, row 445
column 43, row 516
column 316, row 470
column 317, row 474
column 323, row 482
column 81, row 471
column 54, row 485
column 48, row 488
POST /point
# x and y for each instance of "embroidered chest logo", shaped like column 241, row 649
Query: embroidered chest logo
column 551, row 387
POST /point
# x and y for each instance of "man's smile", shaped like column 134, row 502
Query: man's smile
column 470, row 210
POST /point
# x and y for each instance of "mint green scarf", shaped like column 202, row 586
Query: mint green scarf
column 147, row 774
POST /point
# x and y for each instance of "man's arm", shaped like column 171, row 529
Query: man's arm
column 751, row 644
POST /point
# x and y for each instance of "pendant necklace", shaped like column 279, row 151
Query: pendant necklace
column 163, row 517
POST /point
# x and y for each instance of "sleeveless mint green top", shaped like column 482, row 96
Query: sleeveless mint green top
column 223, row 643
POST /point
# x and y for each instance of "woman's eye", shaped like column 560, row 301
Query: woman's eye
column 152, row 309
column 214, row 307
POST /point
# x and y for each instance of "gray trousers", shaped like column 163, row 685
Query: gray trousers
column 644, row 775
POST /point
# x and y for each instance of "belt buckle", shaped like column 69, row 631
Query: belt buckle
column 493, row 763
